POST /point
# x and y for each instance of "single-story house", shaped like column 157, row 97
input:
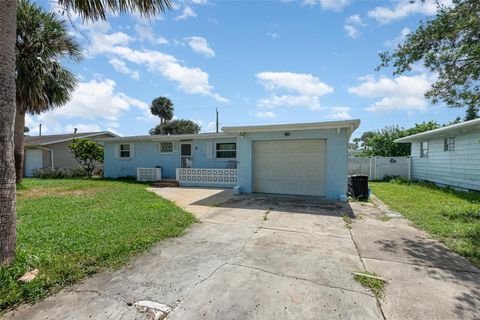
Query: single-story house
column 52, row 151
column 447, row 156
column 297, row 159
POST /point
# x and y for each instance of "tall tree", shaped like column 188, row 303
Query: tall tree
column 471, row 113
column 42, row 83
column 163, row 108
column 382, row 142
column 8, row 26
column 88, row 10
column 178, row 126
column 448, row 44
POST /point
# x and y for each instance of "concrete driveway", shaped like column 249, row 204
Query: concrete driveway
column 268, row 257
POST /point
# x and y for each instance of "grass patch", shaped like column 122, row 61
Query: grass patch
column 377, row 286
column 450, row 216
column 70, row 229
column 348, row 221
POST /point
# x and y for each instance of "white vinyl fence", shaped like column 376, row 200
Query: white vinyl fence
column 378, row 167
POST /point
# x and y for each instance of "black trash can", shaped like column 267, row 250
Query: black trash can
column 358, row 186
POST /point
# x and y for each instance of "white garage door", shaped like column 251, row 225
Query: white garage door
column 33, row 160
column 289, row 167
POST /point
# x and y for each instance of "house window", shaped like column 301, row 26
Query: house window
column 125, row 150
column 165, row 147
column 449, row 144
column 226, row 150
column 424, row 149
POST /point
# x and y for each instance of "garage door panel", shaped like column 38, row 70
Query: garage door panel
column 269, row 146
column 289, row 167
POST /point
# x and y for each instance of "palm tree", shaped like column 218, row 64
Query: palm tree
column 88, row 10
column 163, row 108
column 42, row 83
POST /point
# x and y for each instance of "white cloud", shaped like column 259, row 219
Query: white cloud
column 400, row 93
column 405, row 8
column 145, row 32
column 34, row 125
column 162, row 40
column 272, row 35
column 352, row 25
column 200, row 45
column 186, row 13
column 82, row 127
column 275, row 101
column 396, row 41
column 302, row 83
column 189, row 79
column 306, row 90
column 334, row 5
column 101, row 42
column 96, row 100
column 121, row 67
column 265, row 114
column 342, row 113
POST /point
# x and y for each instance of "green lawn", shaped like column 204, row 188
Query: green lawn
column 450, row 216
column 69, row 229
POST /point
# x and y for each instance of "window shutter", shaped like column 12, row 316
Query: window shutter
column 132, row 150
column 209, row 150
column 174, row 145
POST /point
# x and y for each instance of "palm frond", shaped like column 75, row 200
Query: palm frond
column 98, row 9
column 43, row 40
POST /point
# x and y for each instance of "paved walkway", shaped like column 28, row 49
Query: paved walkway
column 267, row 257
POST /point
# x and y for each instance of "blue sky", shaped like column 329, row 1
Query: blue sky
column 258, row 62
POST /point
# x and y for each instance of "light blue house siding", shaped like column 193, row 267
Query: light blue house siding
column 146, row 155
column 459, row 168
column 336, row 154
column 297, row 159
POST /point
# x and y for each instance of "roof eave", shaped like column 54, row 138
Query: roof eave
column 352, row 124
column 443, row 131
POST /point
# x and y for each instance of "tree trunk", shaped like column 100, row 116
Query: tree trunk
column 19, row 137
column 8, row 26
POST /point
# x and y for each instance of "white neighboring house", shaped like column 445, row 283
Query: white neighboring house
column 448, row 156
column 52, row 151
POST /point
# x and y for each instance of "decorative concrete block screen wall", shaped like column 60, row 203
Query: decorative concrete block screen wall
column 207, row 177
column 149, row 174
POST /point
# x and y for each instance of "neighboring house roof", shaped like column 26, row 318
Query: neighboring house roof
column 169, row 137
column 351, row 124
column 57, row 138
column 443, row 131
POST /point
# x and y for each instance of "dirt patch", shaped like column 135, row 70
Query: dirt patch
column 36, row 193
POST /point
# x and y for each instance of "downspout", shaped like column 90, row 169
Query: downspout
column 51, row 154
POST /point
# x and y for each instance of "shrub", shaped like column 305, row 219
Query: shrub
column 88, row 153
column 49, row 173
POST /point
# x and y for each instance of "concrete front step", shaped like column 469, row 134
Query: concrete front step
column 165, row 183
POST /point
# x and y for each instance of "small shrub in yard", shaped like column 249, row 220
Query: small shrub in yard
column 389, row 177
column 49, row 173
column 88, row 154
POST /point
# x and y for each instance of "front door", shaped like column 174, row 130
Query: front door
column 186, row 158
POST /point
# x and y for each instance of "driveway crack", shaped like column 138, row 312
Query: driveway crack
column 299, row 278
column 177, row 304
column 355, row 245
